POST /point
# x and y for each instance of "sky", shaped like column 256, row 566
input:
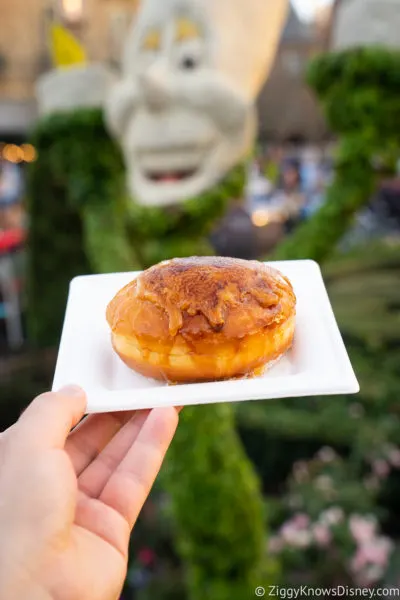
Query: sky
column 306, row 8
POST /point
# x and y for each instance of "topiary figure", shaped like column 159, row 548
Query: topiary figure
column 184, row 115
column 358, row 89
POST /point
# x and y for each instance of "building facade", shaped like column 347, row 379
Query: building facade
column 288, row 109
column 365, row 23
column 24, row 48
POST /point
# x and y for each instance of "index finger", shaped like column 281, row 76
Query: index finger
column 131, row 482
column 48, row 420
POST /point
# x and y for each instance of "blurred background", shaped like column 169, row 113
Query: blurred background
column 328, row 467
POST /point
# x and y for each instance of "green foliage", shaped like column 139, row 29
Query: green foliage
column 363, row 288
column 359, row 94
column 82, row 221
column 217, row 506
column 105, row 239
column 194, row 217
column 77, row 162
column 359, row 89
column 322, row 483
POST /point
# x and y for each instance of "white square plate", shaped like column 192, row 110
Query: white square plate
column 317, row 364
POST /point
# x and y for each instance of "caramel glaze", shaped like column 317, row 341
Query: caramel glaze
column 207, row 308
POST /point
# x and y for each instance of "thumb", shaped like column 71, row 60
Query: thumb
column 48, row 420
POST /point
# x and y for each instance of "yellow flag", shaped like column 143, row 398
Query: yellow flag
column 65, row 48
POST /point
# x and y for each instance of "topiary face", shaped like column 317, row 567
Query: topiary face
column 359, row 89
column 183, row 110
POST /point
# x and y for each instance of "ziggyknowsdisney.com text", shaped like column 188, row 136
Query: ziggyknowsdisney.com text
column 340, row 591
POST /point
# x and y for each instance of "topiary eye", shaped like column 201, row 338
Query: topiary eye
column 189, row 63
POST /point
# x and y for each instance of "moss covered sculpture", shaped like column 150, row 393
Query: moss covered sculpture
column 183, row 113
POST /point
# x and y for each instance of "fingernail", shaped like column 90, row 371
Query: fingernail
column 71, row 390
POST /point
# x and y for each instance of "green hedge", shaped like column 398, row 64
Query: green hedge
column 359, row 91
column 217, row 507
column 76, row 162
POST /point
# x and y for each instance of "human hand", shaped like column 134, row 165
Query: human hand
column 69, row 500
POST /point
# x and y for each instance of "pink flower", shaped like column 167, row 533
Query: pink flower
column 322, row 535
column 394, row 457
column 381, row 468
column 146, row 556
column 332, row 516
column 286, row 530
column 275, row 544
column 378, row 551
column 374, row 552
column 326, row 454
column 302, row 539
column 363, row 530
column 297, row 539
column 358, row 561
column 371, row 575
column 301, row 521
column 295, row 536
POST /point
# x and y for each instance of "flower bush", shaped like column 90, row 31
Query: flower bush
column 328, row 532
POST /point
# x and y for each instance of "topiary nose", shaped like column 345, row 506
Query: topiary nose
column 156, row 87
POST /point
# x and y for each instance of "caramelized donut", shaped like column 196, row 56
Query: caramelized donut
column 203, row 319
